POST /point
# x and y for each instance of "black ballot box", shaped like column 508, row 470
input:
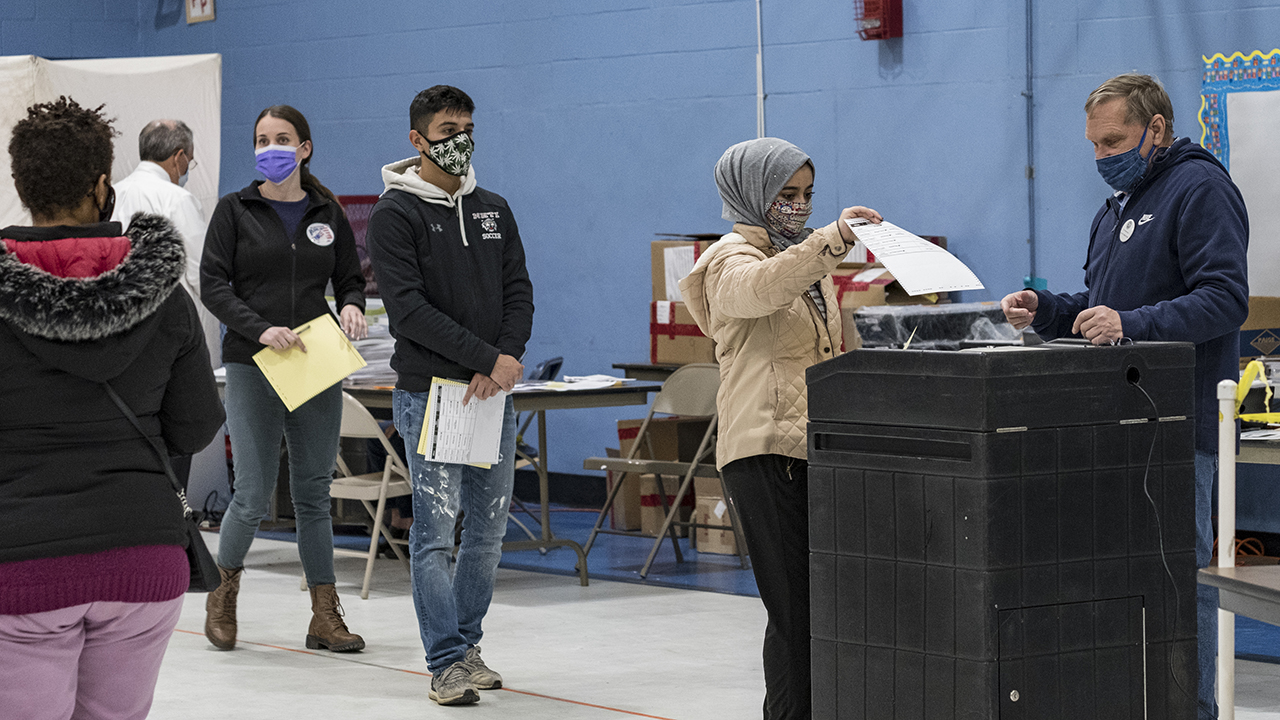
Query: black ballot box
column 1003, row 533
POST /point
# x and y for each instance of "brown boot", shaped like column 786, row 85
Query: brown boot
column 327, row 628
column 220, row 610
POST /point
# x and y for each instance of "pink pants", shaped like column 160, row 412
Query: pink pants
column 97, row 661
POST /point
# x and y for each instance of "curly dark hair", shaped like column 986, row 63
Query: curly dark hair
column 58, row 153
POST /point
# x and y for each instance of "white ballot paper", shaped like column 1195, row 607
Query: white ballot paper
column 917, row 264
column 454, row 433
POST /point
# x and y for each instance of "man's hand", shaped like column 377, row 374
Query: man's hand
column 482, row 387
column 281, row 338
column 1020, row 308
column 1099, row 325
column 353, row 322
column 857, row 211
column 507, row 371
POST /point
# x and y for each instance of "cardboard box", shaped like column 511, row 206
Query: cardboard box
column 714, row 510
column 671, row 260
column 1260, row 334
column 671, row 438
column 674, row 338
column 707, row 487
column 652, row 514
column 861, row 285
column 625, row 512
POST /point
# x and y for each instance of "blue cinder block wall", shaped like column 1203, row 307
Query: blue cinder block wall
column 600, row 121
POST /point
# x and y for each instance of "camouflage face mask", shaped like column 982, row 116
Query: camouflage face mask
column 453, row 154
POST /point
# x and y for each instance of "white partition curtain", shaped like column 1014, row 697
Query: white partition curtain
column 135, row 92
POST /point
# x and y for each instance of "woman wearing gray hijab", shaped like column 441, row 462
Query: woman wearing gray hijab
column 763, row 292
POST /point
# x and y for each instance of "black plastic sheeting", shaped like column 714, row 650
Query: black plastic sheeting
column 936, row 327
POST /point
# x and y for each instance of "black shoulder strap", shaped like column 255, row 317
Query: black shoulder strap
column 160, row 453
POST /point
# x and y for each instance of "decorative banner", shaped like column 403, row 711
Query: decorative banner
column 1227, row 74
column 1240, row 99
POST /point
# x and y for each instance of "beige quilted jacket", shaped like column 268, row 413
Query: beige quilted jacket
column 753, row 301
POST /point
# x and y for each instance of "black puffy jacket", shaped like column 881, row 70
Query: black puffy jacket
column 75, row 476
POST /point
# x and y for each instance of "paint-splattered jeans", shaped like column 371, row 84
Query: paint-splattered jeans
column 451, row 607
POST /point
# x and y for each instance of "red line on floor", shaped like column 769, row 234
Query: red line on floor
column 586, row 704
column 349, row 659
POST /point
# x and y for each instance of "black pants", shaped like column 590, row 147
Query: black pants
column 771, row 495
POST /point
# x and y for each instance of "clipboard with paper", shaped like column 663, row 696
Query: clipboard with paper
column 298, row 376
column 468, row 434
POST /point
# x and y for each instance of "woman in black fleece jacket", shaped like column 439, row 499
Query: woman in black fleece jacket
column 271, row 250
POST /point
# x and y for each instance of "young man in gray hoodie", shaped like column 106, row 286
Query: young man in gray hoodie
column 451, row 272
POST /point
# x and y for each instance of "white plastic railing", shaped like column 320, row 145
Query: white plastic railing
column 1226, row 544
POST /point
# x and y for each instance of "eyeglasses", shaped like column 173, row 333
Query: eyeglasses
column 191, row 165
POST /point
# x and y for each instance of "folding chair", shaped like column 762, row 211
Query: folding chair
column 690, row 392
column 391, row 481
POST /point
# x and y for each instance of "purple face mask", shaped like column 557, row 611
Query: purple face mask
column 277, row 162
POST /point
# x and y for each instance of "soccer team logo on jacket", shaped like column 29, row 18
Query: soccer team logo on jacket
column 488, row 223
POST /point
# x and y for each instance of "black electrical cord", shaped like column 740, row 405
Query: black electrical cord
column 208, row 514
column 1177, row 599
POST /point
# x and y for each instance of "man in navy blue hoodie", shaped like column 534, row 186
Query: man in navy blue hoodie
column 1166, row 262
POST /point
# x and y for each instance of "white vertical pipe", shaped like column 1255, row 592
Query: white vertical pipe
column 759, row 73
column 1226, row 544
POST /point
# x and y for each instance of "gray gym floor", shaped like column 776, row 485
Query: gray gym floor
column 611, row 650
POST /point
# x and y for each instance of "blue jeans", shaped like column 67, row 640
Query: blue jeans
column 256, row 419
column 1206, row 596
column 451, row 608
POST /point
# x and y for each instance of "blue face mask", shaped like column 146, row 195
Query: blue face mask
column 1123, row 172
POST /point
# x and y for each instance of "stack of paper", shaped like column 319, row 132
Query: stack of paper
column 376, row 351
column 469, row 434
column 574, row 382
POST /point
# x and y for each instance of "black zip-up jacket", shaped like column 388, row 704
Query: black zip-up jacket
column 253, row 277
column 455, row 304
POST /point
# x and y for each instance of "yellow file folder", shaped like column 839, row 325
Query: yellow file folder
column 299, row 376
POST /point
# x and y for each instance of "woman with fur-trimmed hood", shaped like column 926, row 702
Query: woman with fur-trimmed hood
column 92, row 564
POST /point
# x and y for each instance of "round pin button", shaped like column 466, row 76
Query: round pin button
column 320, row 234
column 1126, row 231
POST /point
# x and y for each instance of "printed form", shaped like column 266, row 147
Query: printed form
column 468, row 434
column 917, row 264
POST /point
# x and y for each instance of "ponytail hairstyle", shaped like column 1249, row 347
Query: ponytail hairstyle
column 295, row 118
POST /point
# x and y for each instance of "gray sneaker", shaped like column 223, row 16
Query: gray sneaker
column 453, row 686
column 481, row 676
